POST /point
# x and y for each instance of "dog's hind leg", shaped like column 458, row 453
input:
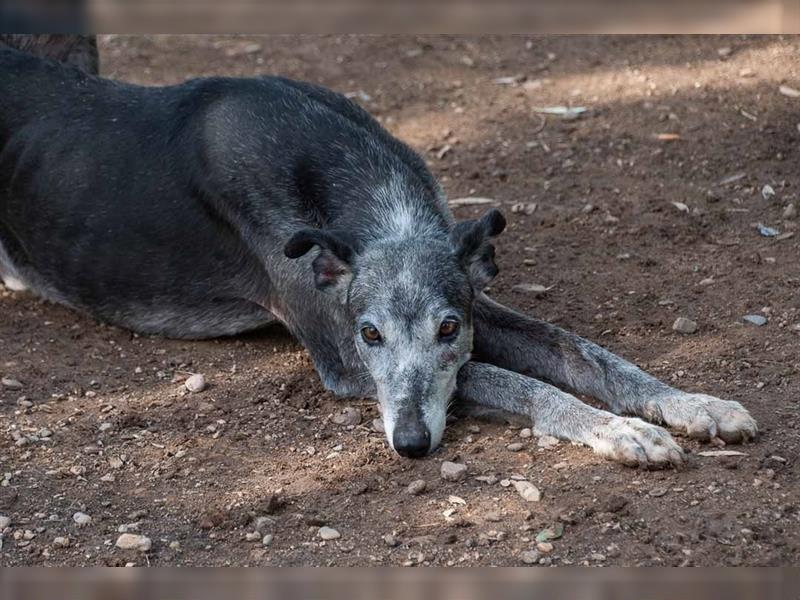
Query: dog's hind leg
column 519, row 343
column 554, row 412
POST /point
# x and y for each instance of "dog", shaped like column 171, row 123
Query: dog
column 223, row 205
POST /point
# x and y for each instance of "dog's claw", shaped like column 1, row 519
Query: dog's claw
column 636, row 443
column 704, row 418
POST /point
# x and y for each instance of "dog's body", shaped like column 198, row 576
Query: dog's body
column 188, row 211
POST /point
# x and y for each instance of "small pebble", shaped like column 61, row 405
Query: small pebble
column 62, row 542
column 522, row 207
column 529, row 288
column 790, row 212
column 132, row 541
column 529, row 557
column 11, row 383
column 527, row 490
column 684, row 325
column 515, row 447
column 196, row 383
column 81, row 518
column 267, row 539
column 329, row 533
column 348, row 416
column 415, row 488
column 547, row 441
column 391, row 540
column 525, row 433
column 544, row 547
column 757, row 320
column 453, row 471
column 4, row 522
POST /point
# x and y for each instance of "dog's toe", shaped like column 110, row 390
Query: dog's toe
column 705, row 418
column 636, row 443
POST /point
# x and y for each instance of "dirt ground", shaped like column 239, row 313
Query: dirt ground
column 631, row 230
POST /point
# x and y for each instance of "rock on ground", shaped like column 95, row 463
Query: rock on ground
column 453, row 471
column 329, row 533
column 132, row 541
column 416, row 487
column 196, row 383
column 81, row 518
column 684, row 325
column 527, row 490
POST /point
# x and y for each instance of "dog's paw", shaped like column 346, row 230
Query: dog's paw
column 636, row 443
column 704, row 417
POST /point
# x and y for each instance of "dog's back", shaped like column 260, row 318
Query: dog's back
column 161, row 208
column 77, row 50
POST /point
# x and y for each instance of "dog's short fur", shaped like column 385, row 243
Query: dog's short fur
column 222, row 205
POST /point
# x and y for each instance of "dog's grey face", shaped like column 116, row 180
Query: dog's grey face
column 410, row 308
column 409, row 300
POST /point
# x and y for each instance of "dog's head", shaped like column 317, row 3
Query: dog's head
column 410, row 306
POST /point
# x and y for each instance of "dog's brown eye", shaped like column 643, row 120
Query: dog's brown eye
column 370, row 334
column 448, row 328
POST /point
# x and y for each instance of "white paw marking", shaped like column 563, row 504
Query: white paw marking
column 705, row 417
column 636, row 443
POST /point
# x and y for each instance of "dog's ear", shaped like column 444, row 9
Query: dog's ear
column 332, row 266
column 471, row 245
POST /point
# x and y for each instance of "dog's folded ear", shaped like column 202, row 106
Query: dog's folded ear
column 471, row 244
column 332, row 266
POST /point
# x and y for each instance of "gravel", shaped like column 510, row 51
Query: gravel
column 349, row 416
column 453, row 471
column 196, row 383
column 329, row 533
column 11, row 383
column 684, row 325
column 547, row 441
column 132, row 541
column 527, row 490
column 81, row 519
column 416, row 487
column 757, row 320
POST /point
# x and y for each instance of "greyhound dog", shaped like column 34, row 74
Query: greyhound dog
column 222, row 205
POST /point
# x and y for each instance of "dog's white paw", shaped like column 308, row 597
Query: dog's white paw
column 636, row 443
column 704, row 417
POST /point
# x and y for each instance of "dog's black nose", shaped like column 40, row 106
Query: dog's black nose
column 412, row 442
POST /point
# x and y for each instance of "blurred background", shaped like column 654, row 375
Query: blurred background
column 402, row 16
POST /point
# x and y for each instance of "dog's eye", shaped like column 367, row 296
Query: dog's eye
column 448, row 328
column 371, row 335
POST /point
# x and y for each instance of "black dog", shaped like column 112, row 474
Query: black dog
column 191, row 211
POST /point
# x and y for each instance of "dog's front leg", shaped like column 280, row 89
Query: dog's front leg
column 553, row 412
column 514, row 341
